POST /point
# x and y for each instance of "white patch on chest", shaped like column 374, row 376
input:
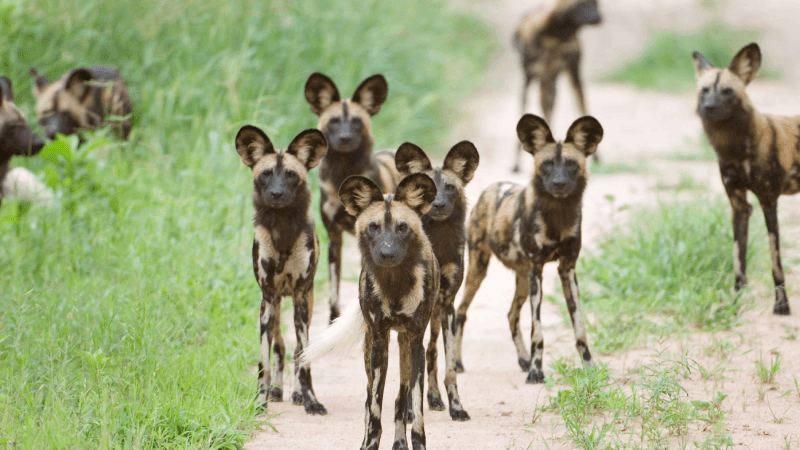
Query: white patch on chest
column 297, row 264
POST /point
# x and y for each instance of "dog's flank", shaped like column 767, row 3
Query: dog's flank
column 285, row 252
column 445, row 226
column 397, row 289
column 547, row 40
column 756, row 152
column 346, row 124
column 82, row 98
column 528, row 226
column 16, row 139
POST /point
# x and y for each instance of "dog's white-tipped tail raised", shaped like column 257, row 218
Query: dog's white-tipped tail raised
column 342, row 334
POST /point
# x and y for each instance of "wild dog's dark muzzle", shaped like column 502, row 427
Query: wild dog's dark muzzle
column 20, row 140
column 60, row 122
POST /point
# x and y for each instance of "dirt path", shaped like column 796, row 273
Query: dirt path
column 639, row 125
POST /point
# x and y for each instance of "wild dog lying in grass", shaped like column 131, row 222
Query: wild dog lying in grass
column 285, row 251
column 82, row 98
column 346, row 125
column 397, row 290
column 528, row 226
column 16, row 139
column 757, row 152
column 547, row 40
column 444, row 225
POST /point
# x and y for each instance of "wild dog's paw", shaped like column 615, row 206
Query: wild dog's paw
column 297, row 398
column 400, row 445
column 525, row 364
column 275, row 394
column 459, row 415
column 782, row 308
column 535, row 376
column 435, row 401
column 459, row 366
column 315, row 408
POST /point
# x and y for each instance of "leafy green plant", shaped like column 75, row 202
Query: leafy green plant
column 766, row 373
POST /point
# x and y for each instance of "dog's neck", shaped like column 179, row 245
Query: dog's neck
column 284, row 224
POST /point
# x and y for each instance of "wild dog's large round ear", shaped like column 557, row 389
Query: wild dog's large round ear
column 76, row 81
column 371, row 93
column 462, row 160
column 534, row 133
column 585, row 133
column 6, row 94
column 746, row 63
column 411, row 159
column 40, row 82
column 320, row 92
column 701, row 64
column 309, row 147
column 357, row 192
column 417, row 191
column 252, row 144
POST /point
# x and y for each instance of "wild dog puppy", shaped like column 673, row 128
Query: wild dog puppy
column 397, row 290
column 547, row 40
column 346, row 124
column 16, row 139
column 81, row 98
column 444, row 225
column 285, row 252
column 756, row 152
column 528, row 226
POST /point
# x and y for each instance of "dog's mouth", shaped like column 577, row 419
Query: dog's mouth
column 438, row 215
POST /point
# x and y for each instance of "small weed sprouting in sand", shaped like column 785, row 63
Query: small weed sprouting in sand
column 766, row 374
column 762, row 392
column 775, row 418
column 790, row 333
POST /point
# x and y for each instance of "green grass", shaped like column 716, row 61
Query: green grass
column 128, row 311
column 668, row 269
column 765, row 373
column 666, row 62
column 614, row 167
column 696, row 151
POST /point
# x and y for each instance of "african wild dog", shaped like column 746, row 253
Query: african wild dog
column 16, row 139
column 547, row 40
column 444, row 225
column 346, row 124
column 528, row 226
column 397, row 290
column 82, row 98
column 285, row 251
column 757, row 152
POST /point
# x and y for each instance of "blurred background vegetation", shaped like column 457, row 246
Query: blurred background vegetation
column 128, row 311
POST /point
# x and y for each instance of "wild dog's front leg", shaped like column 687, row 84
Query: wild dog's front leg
column 520, row 296
column 417, row 387
column 303, row 389
column 535, row 375
column 741, row 216
column 270, row 307
column 279, row 354
column 479, row 257
column 547, row 93
column 448, row 315
column 434, row 396
column 403, row 408
column 378, row 363
column 770, row 208
column 569, row 283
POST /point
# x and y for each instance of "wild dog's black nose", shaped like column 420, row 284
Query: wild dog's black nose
column 437, row 206
column 387, row 255
column 276, row 194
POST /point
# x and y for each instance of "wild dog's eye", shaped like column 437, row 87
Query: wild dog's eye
column 705, row 90
column 356, row 123
column 291, row 175
column 334, row 121
column 373, row 227
column 450, row 187
column 726, row 91
column 402, row 227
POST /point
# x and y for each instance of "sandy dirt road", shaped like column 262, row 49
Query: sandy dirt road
column 639, row 126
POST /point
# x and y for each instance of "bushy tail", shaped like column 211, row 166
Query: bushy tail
column 22, row 184
column 344, row 332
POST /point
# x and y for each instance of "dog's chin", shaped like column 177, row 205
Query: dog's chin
column 564, row 193
column 387, row 264
column 277, row 205
column 345, row 147
column 439, row 216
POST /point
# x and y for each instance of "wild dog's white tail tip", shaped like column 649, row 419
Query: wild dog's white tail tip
column 343, row 333
column 22, row 184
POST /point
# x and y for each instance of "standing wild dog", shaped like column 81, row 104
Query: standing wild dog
column 82, row 98
column 528, row 226
column 547, row 40
column 285, row 251
column 396, row 291
column 346, row 124
column 756, row 152
column 16, row 139
column 444, row 225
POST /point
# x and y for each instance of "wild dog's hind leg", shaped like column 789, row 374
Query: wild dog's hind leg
column 547, row 91
column 334, row 268
column 574, row 69
column 526, row 84
column 378, row 363
column 770, row 208
column 448, row 315
column 479, row 257
column 270, row 306
column 520, row 297
column 569, row 284
column 434, row 396
column 303, row 389
column 535, row 375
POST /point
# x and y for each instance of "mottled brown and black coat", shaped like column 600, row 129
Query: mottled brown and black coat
column 445, row 226
column 346, row 124
column 757, row 152
column 82, row 98
column 16, row 137
column 285, row 252
column 547, row 40
column 397, row 290
column 528, row 226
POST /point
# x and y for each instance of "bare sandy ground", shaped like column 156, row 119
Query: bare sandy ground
column 639, row 126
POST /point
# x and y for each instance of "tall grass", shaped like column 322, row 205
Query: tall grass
column 668, row 269
column 128, row 311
